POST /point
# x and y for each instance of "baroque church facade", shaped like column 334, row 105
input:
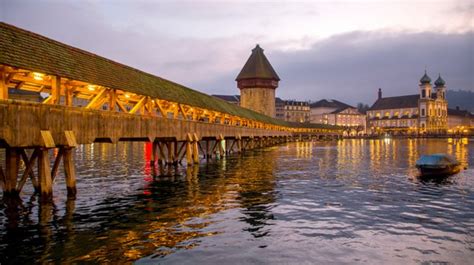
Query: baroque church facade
column 422, row 113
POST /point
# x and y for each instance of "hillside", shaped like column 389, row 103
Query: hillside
column 462, row 98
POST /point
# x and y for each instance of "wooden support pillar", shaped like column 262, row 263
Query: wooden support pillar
column 189, row 149
column 207, row 155
column 68, row 95
column 44, row 174
column 239, row 145
column 3, row 85
column 154, row 148
column 162, row 157
column 195, row 149
column 170, row 158
column 112, row 99
column 55, row 90
column 176, row 153
column 70, row 172
column 220, row 148
column 11, row 171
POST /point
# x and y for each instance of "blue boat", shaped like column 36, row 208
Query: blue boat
column 438, row 165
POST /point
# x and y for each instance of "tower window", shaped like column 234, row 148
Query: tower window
column 423, row 111
column 423, row 93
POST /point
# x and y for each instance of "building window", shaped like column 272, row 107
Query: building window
column 423, row 112
column 423, row 93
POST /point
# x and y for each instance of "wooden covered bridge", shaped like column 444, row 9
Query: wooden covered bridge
column 88, row 98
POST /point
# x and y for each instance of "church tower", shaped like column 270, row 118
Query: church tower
column 257, row 82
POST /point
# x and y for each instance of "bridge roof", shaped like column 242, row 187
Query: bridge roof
column 24, row 49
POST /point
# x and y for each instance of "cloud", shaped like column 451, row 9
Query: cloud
column 185, row 44
column 351, row 67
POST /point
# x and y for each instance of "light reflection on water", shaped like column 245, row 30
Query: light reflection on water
column 339, row 202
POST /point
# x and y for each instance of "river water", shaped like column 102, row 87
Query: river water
column 347, row 201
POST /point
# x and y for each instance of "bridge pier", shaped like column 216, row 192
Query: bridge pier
column 12, row 184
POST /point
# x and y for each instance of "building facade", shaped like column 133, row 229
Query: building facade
column 334, row 112
column 460, row 122
column 297, row 111
column 257, row 82
column 423, row 113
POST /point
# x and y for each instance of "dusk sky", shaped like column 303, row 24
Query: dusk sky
column 321, row 49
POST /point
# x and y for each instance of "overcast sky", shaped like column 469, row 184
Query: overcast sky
column 320, row 49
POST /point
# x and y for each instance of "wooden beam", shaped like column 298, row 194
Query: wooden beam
column 55, row 89
column 54, row 172
column 3, row 86
column 29, row 169
column 70, row 172
column 12, row 166
column 181, row 108
column 112, row 99
column 44, row 174
column 96, row 99
column 29, row 79
column 121, row 106
column 164, row 114
column 138, row 105
column 68, row 91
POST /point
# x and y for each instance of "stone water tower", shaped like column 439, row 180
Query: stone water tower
column 257, row 82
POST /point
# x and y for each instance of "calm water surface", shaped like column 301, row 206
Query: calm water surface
column 351, row 201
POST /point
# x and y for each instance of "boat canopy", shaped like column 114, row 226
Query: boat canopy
column 436, row 160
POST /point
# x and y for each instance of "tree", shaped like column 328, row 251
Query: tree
column 362, row 108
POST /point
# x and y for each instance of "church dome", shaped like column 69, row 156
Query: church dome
column 425, row 79
column 440, row 82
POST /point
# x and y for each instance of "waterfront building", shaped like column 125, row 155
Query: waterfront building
column 422, row 113
column 297, row 111
column 335, row 112
column 257, row 82
column 280, row 108
column 460, row 122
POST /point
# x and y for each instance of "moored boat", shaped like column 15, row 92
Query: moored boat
column 438, row 165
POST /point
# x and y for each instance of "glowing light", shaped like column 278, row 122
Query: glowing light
column 38, row 76
column 91, row 87
column 127, row 95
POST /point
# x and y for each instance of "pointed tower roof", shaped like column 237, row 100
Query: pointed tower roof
column 440, row 82
column 425, row 79
column 257, row 66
